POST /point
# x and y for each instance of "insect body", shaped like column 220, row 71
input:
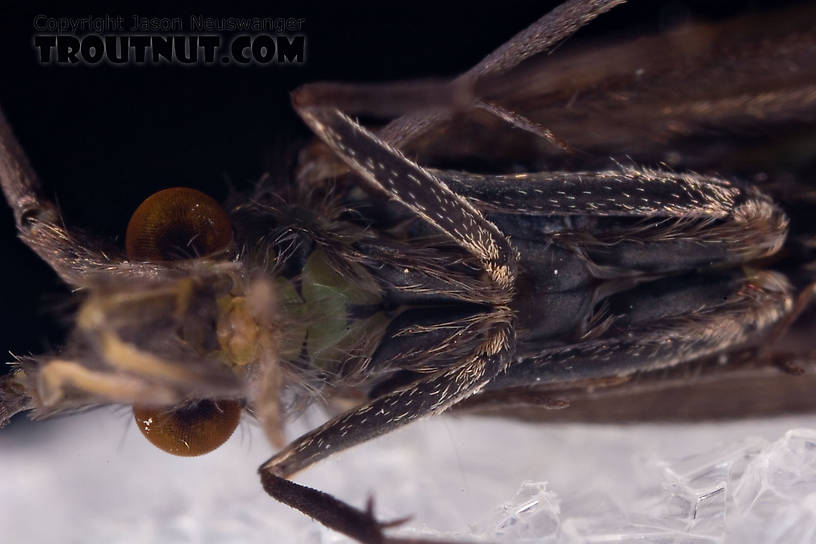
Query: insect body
column 434, row 287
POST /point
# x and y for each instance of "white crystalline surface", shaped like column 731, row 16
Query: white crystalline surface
column 748, row 490
column 93, row 478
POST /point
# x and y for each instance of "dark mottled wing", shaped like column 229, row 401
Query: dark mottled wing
column 702, row 390
column 703, row 96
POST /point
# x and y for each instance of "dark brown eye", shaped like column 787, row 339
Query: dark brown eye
column 177, row 223
column 190, row 430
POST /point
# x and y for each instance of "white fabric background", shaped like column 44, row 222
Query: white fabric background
column 93, row 478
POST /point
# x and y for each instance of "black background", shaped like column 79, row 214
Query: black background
column 104, row 138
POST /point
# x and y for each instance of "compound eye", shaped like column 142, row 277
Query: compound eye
column 189, row 430
column 177, row 223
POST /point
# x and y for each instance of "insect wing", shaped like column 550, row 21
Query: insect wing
column 706, row 96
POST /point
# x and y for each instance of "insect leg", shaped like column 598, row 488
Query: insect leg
column 388, row 170
column 331, row 512
column 705, row 210
column 50, row 386
column 430, row 103
column 803, row 300
column 743, row 313
column 521, row 122
column 541, row 36
column 13, row 396
column 71, row 254
column 361, row 525
column 627, row 191
column 430, row 395
column 437, row 99
column 58, row 376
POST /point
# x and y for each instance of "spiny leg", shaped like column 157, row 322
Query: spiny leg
column 430, row 103
column 71, row 253
column 802, row 302
column 427, row 396
column 392, row 99
column 57, row 376
column 13, row 397
column 412, row 97
column 361, row 525
column 731, row 314
column 541, row 36
column 58, row 384
column 518, row 121
column 430, row 395
column 749, row 225
column 627, row 192
column 331, row 512
column 387, row 169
